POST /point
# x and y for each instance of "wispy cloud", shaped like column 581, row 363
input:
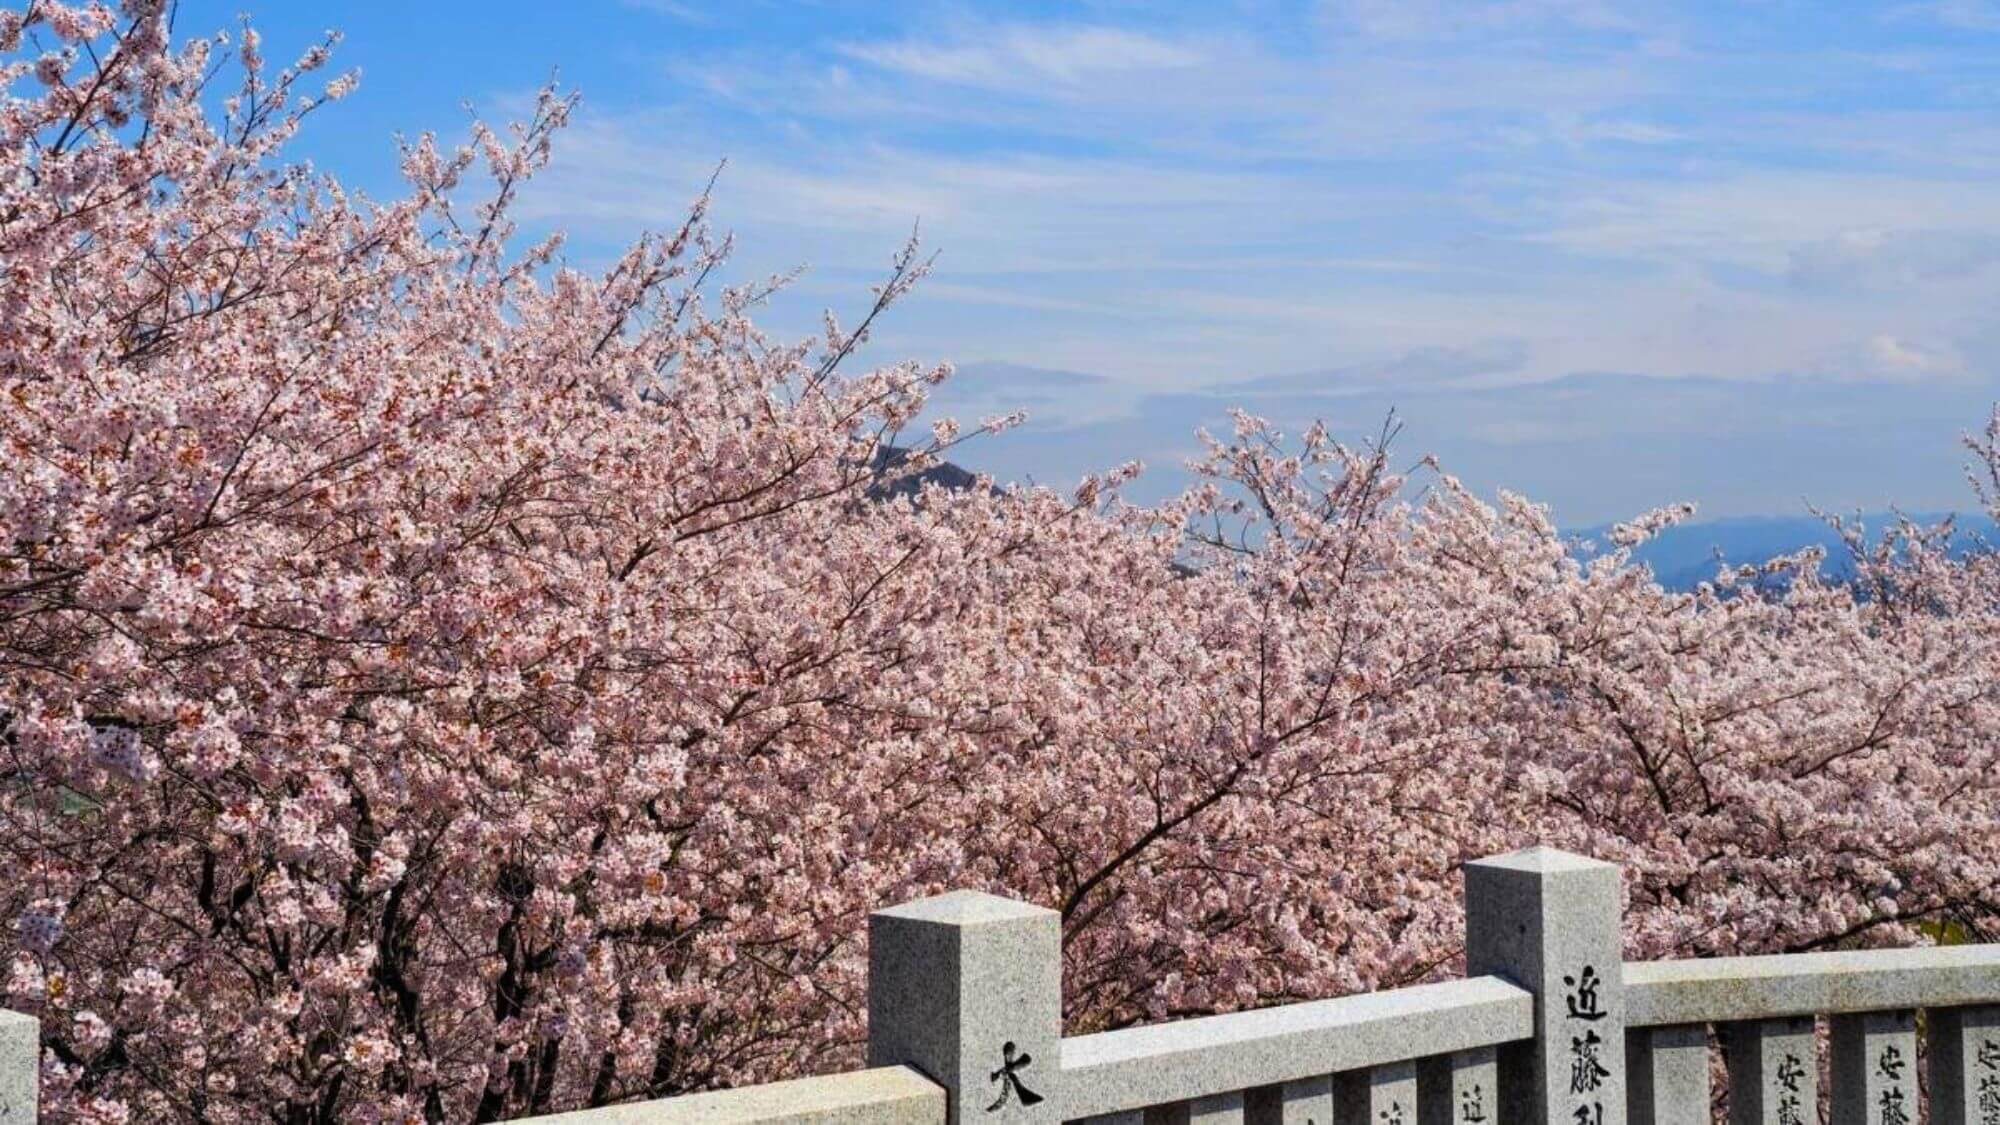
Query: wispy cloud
column 1026, row 57
column 1892, row 358
column 1968, row 15
column 678, row 9
column 1424, row 368
column 1758, row 217
column 1445, row 19
column 1487, row 213
column 1596, row 447
column 1885, row 259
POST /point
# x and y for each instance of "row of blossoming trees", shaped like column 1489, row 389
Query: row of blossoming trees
column 439, row 684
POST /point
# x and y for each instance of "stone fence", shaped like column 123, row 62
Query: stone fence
column 1551, row 1027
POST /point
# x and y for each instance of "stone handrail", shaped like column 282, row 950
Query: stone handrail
column 1551, row 1027
column 889, row 1095
column 1188, row 1059
column 1719, row 989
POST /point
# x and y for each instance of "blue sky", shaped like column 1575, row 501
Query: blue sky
column 1608, row 254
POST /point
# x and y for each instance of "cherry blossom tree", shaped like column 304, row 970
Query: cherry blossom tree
column 441, row 684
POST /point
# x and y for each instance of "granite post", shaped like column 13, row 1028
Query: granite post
column 1380, row 1095
column 967, row 988
column 1549, row 921
column 1462, row 1088
column 1308, row 1101
column 1773, row 1071
column 1965, row 1065
column 1874, row 1061
column 1669, row 1075
column 20, row 1067
column 1216, row 1109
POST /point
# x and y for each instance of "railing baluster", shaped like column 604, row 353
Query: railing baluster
column 1380, row 1095
column 1308, row 1101
column 1462, row 1088
column 1669, row 1075
column 1216, row 1109
column 1965, row 1065
column 1773, row 1071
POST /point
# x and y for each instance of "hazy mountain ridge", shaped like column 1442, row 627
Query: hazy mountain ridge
column 1685, row 556
column 1681, row 557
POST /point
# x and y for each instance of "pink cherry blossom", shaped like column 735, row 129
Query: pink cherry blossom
column 438, row 683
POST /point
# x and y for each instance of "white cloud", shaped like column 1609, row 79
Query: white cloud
column 1053, row 399
column 1596, row 446
column 1442, row 19
column 1969, row 15
column 1892, row 358
column 1186, row 272
column 686, row 12
column 1374, row 200
column 1575, row 130
column 1878, row 259
column 1025, row 57
column 1757, row 218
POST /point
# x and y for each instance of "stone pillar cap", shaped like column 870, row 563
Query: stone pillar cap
column 1541, row 859
column 965, row 908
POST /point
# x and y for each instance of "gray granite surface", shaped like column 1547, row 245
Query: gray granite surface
column 1549, row 921
column 1164, row 1062
column 885, row 1096
column 1740, row 988
column 967, row 988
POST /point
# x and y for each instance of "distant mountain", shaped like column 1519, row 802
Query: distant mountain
column 889, row 458
column 1683, row 557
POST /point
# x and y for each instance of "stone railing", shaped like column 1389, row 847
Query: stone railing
column 1551, row 1027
